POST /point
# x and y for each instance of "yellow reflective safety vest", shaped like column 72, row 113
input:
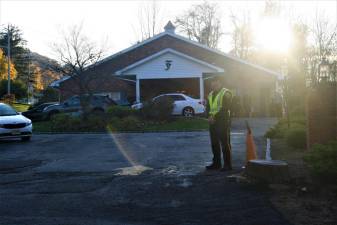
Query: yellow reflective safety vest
column 215, row 104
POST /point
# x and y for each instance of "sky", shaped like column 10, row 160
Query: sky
column 115, row 22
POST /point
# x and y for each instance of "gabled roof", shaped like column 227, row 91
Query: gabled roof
column 170, row 40
column 168, row 50
column 56, row 83
column 174, row 35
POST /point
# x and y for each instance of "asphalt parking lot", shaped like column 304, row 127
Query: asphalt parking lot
column 130, row 178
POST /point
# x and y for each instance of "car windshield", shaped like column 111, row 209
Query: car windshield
column 6, row 110
column 177, row 97
column 41, row 107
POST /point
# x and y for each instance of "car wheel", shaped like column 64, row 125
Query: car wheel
column 188, row 112
column 26, row 138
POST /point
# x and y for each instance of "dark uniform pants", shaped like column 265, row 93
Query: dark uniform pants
column 220, row 140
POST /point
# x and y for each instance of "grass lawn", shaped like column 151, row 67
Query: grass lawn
column 20, row 107
column 177, row 124
column 303, row 200
column 311, row 202
column 43, row 126
column 281, row 151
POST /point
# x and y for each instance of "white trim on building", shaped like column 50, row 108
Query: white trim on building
column 169, row 64
column 165, row 51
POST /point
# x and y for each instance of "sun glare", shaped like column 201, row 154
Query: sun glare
column 274, row 35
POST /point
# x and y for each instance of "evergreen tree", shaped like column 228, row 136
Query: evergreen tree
column 19, row 52
column 17, row 88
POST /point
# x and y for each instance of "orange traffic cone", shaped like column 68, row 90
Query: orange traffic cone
column 250, row 145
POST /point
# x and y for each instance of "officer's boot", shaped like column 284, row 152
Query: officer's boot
column 213, row 167
column 216, row 165
column 227, row 162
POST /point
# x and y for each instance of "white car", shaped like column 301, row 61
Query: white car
column 13, row 124
column 183, row 104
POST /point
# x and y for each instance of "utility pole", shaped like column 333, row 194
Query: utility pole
column 8, row 66
column 28, row 83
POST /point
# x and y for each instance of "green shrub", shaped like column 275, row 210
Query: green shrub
column 114, row 124
column 160, row 110
column 278, row 131
column 296, row 137
column 297, row 111
column 281, row 128
column 271, row 133
column 64, row 122
column 18, row 88
column 48, row 95
column 131, row 123
column 94, row 123
column 68, row 123
column 322, row 162
column 121, row 111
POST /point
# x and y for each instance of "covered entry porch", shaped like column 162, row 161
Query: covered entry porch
column 168, row 71
column 148, row 88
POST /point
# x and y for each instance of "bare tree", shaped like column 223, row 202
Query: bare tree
column 324, row 34
column 323, row 45
column 77, row 54
column 272, row 8
column 242, row 36
column 149, row 20
column 201, row 23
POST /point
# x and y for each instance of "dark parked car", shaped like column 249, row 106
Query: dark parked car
column 36, row 113
column 123, row 102
column 97, row 103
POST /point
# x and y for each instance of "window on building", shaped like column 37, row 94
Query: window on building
column 116, row 96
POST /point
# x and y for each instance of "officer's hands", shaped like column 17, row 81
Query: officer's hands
column 210, row 120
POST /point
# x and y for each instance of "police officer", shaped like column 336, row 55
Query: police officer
column 218, row 112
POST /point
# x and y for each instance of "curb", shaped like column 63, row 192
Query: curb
column 122, row 132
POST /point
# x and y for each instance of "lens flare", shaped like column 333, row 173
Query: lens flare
column 121, row 148
column 135, row 168
column 273, row 34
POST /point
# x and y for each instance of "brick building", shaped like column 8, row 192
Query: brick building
column 169, row 62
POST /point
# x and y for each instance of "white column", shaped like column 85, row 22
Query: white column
column 137, row 90
column 201, row 88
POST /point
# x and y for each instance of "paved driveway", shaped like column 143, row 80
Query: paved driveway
column 143, row 178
